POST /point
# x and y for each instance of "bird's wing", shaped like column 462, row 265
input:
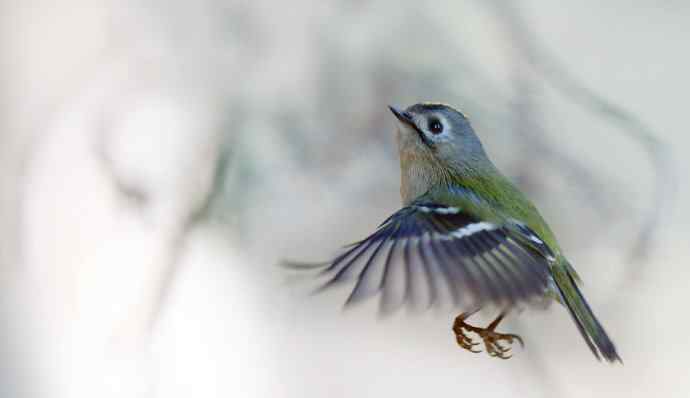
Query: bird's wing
column 427, row 253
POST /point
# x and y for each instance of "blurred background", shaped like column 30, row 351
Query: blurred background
column 158, row 159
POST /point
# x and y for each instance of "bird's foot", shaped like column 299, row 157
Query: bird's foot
column 490, row 337
column 494, row 349
column 461, row 330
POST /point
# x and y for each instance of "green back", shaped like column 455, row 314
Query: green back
column 490, row 196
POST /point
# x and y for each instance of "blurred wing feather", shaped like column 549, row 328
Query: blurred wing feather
column 430, row 252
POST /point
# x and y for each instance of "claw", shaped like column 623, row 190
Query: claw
column 466, row 342
column 502, row 349
column 492, row 340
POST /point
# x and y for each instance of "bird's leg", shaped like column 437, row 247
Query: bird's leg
column 459, row 327
column 488, row 334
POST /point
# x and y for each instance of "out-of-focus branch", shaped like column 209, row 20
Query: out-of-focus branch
column 558, row 76
column 177, row 228
column 533, row 136
column 191, row 220
column 135, row 195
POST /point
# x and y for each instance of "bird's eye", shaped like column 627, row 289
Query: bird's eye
column 435, row 126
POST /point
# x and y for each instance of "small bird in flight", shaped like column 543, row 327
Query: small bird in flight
column 465, row 234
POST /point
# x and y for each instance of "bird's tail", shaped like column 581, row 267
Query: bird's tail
column 594, row 334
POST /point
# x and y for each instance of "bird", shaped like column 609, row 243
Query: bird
column 465, row 235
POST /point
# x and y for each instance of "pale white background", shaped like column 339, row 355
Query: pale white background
column 120, row 280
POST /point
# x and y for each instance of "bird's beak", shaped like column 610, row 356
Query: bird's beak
column 406, row 119
column 403, row 116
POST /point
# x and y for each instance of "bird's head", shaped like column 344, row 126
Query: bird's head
column 435, row 141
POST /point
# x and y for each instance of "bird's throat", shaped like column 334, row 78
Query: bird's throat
column 417, row 176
